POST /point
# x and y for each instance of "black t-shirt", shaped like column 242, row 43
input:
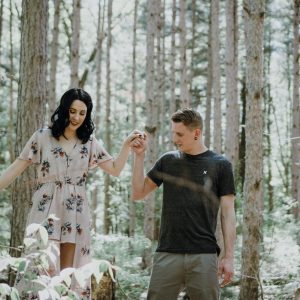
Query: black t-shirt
column 192, row 187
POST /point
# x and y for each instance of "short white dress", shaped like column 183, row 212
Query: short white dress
column 60, row 190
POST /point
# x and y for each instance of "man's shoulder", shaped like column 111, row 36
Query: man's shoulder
column 170, row 155
column 218, row 158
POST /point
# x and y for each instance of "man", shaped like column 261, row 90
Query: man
column 196, row 181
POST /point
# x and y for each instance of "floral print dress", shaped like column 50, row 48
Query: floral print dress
column 61, row 191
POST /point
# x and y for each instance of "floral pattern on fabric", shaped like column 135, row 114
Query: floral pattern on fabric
column 60, row 190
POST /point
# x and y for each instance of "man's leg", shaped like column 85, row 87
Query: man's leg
column 167, row 276
column 201, row 276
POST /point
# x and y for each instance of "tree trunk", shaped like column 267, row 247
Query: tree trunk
column 172, row 67
column 75, row 44
column 1, row 27
column 132, row 205
column 268, row 110
column 216, row 75
column 54, row 59
column 253, row 189
column 184, row 91
column 295, row 113
column 100, row 37
column 152, row 112
column 31, row 109
column 208, row 86
column 232, row 108
column 191, row 73
column 11, row 88
column 107, row 182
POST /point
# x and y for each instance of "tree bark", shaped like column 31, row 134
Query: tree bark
column 295, row 113
column 207, row 129
column 31, row 108
column 184, row 90
column 216, row 76
column 75, row 44
column 107, row 181
column 54, row 59
column 132, row 205
column 231, row 69
column 152, row 112
column 11, row 87
column 172, row 67
column 253, row 188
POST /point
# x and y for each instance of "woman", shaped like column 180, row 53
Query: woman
column 63, row 154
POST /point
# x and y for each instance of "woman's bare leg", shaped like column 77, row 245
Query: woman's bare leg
column 67, row 251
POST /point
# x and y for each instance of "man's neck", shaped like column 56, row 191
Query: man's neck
column 198, row 149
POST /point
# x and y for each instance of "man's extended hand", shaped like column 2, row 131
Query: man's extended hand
column 225, row 271
column 139, row 145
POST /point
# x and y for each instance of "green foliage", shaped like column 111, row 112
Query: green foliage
column 33, row 265
column 126, row 253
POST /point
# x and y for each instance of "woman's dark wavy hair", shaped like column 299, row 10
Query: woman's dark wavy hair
column 60, row 118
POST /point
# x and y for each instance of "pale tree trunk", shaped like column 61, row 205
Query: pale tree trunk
column 132, row 206
column 268, row 110
column 54, row 59
column 151, row 124
column 162, row 75
column 100, row 37
column 191, row 73
column 1, row 28
column 75, row 44
column 152, row 110
column 295, row 113
column 184, row 91
column 11, row 88
column 216, row 76
column 172, row 67
column 253, row 188
column 107, row 181
column 207, row 129
column 31, row 109
column 231, row 69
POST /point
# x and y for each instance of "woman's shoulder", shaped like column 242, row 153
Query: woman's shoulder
column 44, row 132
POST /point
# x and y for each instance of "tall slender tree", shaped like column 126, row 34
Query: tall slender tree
column 253, row 11
column 184, row 90
column 132, row 206
column 207, row 129
column 216, row 75
column 231, row 69
column 1, row 28
column 172, row 62
column 107, row 181
column 296, row 112
column 75, row 43
column 99, row 54
column 54, row 58
column 11, row 87
column 152, row 112
column 31, row 108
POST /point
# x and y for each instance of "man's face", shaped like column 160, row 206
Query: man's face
column 183, row 137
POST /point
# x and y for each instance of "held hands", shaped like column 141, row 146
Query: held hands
column 137, row 141
column 225, row 272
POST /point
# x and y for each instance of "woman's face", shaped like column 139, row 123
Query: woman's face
column 77, row 114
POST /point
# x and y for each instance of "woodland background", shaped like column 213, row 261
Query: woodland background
column 237, row 62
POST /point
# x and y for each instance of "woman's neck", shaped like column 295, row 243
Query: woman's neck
column 69, row 134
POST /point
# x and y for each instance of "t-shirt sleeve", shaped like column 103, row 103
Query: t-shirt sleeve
column 98, row 154
column 225, row 181
column 33, row 148
column 155, row 174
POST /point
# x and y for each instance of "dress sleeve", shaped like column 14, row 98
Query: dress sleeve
column 32, row 150
column 98, row 154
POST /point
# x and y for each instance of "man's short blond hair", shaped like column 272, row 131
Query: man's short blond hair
column 189, row 117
